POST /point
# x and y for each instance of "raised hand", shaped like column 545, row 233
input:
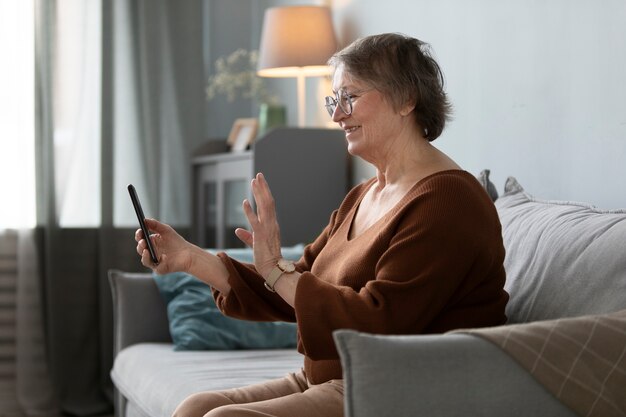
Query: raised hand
column 265, row 235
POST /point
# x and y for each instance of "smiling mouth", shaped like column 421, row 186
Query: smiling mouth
column 351, row 129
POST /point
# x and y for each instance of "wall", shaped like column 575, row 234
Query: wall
column 537, row 87
column 228, row 26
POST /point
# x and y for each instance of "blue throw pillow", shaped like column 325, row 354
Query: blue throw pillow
column 196, row 323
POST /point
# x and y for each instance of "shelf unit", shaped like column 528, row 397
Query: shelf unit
column 307, row 170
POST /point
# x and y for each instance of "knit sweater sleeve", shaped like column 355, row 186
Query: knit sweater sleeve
column 248, row 298
column 440, row 268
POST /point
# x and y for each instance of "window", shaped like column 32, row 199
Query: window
column 17, row 114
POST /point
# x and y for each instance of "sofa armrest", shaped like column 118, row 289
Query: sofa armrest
column 437, row 375
column 139, row 312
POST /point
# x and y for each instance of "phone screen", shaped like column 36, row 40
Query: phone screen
column 146, row 233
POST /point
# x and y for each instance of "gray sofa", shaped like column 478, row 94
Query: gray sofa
column 563, row 260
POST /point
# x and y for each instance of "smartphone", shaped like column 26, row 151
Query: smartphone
column 142, row 223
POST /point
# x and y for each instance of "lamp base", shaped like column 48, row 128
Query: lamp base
column 301, row 98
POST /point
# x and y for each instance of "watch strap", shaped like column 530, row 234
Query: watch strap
column 275, row 273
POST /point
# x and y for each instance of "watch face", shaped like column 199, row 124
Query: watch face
column 286, row 266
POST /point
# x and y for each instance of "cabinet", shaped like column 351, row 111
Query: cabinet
column 307, row 170
column 221, row 182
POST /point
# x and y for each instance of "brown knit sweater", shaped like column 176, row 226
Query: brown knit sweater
column 432, row 264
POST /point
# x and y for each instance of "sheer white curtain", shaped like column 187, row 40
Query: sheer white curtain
column 77, row 82
column 67, row 50
column 94, row 94
column 158, row 106
column 17, row 114
column 25, row 382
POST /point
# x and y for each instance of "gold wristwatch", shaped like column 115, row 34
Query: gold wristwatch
column 282, row 267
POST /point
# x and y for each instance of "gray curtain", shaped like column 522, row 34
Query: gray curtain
column 151, row 110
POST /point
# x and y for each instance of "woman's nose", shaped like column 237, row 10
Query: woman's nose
column 338, row 114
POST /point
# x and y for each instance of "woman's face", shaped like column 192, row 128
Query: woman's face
column 373, row 120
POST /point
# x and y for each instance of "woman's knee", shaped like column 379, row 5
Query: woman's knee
column 198, row 404
column 234, row 410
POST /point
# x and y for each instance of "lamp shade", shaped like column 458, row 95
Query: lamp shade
column 296, row 39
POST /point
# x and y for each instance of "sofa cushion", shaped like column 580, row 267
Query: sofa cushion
column 155, row 379
column 580, row 360
column 563, row 259
column 196, row 323
column 436, row 376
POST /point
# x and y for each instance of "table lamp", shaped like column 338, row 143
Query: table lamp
column 296, row 41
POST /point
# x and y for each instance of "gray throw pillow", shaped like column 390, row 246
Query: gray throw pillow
column 563, row 259
column 483, row 179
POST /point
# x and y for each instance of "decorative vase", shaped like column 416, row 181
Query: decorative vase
column 271, row 116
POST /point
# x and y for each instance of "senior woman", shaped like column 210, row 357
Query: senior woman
column 416, row 249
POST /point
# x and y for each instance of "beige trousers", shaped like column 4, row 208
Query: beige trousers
column 291, row 396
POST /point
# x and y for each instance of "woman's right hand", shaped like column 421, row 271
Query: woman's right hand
column 172, row 250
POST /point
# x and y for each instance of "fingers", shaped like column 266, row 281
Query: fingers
column 146, row 260
column 245, row 236
column 250, row 214
column 161, row 268
column 153, row 225
column 142, row 247
column 266, row 210
column 156, row 226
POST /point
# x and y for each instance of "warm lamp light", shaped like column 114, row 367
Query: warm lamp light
column 296, row 42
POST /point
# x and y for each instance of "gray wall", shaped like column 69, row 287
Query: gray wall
column 227, row 27
column 230, row 25
column 536, row 85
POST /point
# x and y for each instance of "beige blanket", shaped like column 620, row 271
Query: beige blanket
column 581, row 360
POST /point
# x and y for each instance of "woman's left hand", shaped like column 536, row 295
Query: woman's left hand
column 265, row 235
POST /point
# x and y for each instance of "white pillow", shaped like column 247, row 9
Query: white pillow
column 563, row 259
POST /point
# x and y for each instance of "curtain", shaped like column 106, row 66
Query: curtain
column 119, row 98
column 17, row 194
column 35, row 393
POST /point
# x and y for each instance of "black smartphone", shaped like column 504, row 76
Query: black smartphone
column 146, row 233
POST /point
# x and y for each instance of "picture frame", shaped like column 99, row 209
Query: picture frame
column 242, row 134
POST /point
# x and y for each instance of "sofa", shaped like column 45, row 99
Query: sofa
column 564, row 341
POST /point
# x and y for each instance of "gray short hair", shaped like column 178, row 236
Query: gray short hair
column 403, row 70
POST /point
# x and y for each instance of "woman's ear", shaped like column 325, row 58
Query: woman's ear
column 406, row 109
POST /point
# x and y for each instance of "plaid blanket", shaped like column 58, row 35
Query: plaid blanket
column 582, row 360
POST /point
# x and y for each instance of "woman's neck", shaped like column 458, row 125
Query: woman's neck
column 403, row 162
column 407, row 164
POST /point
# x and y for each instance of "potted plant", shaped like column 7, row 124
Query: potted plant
column 235, row 76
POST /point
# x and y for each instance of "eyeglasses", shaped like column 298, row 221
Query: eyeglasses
column 343, row 99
